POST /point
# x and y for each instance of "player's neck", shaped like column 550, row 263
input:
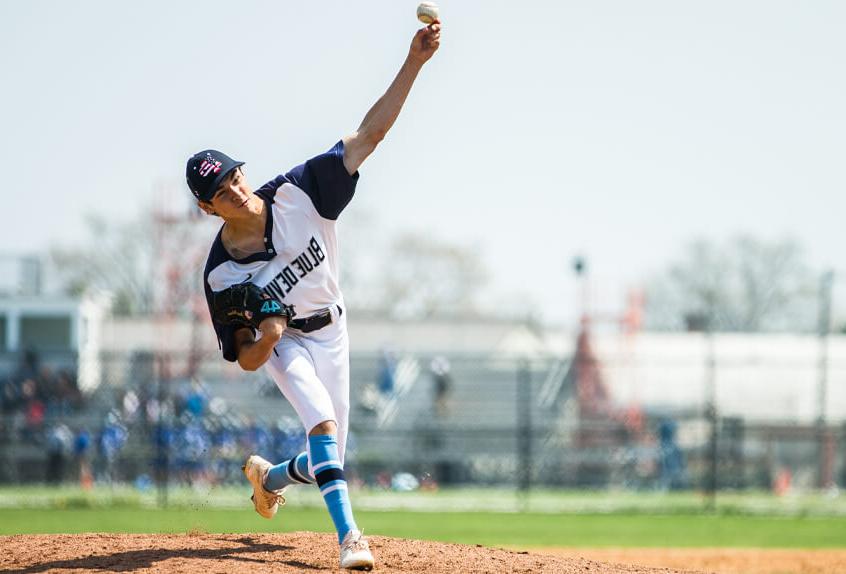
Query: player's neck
column 244, row 230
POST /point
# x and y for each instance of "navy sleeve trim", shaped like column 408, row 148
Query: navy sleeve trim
column 225, row 333
column 268, row 190
column 326, row 181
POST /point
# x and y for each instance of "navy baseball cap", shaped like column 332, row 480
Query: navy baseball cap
column 205, row 171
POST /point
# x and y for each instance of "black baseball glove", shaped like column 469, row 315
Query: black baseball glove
column 245, row 304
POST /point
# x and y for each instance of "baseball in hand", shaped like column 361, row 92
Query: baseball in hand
column 427, row 12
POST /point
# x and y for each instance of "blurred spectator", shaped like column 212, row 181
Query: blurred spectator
column 369, row 399
column 113, row 437
column 39, row 393
column 82, row 451
column 130, row 404
column 28, row 367
column 288, row 439
column 60, row 393
column 59, row 447
column 10, row 395
column 782, row 482
column 442, row 384
column 45, row 384
column 672, row 465
column 387, row 372
column 404, row 482
column 163, row 440
column 193, row 446
column 33, row 409
column 196, row 400
column 258, row 438
column 12, row 388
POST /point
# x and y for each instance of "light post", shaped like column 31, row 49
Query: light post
column 824, row 328
column 711, row 413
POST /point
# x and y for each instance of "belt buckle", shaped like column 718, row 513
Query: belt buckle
column 321, row 315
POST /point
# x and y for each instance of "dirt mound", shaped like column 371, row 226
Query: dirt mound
column 722, row 560
column 258, row 553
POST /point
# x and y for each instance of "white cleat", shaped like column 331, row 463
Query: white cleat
column 266, row 502
column 355, row 552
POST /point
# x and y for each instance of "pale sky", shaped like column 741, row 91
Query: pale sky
column 616, row 129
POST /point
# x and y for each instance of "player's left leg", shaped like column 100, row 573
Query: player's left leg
column 292, row 369
column 290, row 472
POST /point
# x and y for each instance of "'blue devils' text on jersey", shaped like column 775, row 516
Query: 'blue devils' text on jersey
column 299, row 265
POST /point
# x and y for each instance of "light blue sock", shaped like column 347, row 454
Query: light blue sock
column 294, row 471
column 329, row 474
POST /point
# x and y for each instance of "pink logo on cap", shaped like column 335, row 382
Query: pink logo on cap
column 209, row 165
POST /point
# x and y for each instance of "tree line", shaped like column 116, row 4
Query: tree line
column 743, row 284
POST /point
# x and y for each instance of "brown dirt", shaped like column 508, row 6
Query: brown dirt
column 721, row 560
column 259, row 553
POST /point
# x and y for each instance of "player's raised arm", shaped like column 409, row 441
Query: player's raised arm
column 360, row 144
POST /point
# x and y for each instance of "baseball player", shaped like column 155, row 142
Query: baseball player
column 271, row 282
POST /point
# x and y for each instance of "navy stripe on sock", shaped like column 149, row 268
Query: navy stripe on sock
column 292, row 472
column 329, row 475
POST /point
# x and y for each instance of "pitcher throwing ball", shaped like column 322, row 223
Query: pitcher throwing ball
column 271, row 282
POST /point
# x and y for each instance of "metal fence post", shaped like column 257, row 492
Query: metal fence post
column 524, row 430
column 825, row 467
column 712, row 416
column 162, row 447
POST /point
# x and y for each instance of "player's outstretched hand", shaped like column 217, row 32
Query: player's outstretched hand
column 426, row 42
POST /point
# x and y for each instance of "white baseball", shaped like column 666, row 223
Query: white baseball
column 427, row 12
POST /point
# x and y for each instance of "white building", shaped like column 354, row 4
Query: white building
column 64, row 328
column 760, row 377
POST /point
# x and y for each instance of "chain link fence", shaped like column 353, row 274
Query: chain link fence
column 416, row 422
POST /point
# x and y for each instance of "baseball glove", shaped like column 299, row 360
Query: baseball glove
column 245, row 304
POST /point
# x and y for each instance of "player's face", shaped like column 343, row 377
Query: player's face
column 234, row 198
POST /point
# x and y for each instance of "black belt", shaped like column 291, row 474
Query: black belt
column 315, row 322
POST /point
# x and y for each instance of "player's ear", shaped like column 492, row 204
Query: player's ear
column 206, row 207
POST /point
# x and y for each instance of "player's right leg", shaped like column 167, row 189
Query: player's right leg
column 329, row 350
column 329, row 473
column 332, row 364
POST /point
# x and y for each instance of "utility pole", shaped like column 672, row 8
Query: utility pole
column 824, row 328
column 711, row 414
column 524, row 430
column 580, row 268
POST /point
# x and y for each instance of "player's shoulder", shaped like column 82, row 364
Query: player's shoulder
column 269, row 190
column 217, row 255
column 321, row 183
column 283, row 192
column 223, row 270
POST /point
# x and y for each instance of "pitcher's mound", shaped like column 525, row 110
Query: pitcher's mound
column 259, row 553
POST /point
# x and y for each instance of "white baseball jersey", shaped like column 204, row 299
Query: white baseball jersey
column 299, row 265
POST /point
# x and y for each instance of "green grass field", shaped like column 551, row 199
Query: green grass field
column 488, row 528
column 567, row 519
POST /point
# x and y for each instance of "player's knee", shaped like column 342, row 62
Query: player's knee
column 326, row 427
